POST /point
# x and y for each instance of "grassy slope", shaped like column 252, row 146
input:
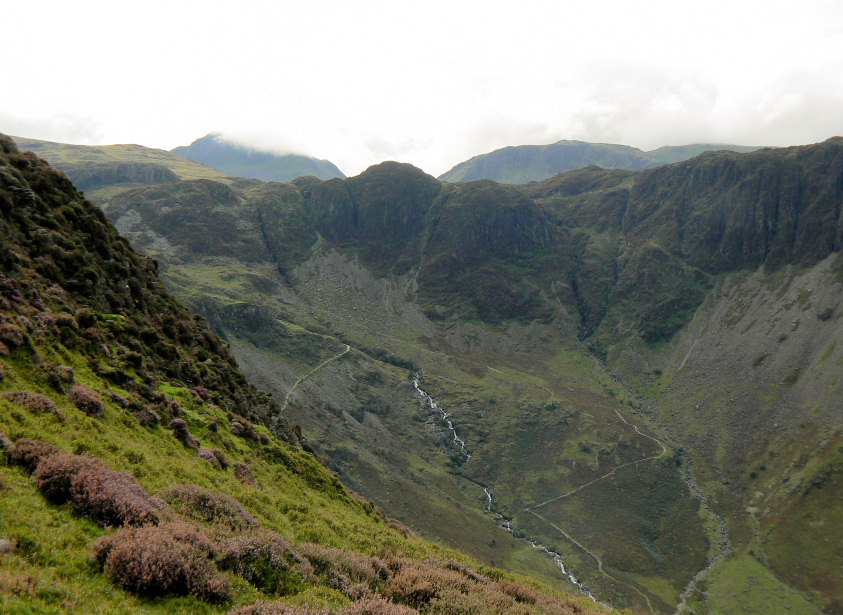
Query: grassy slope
column 362, row 413
column 510, row 408
column 742, row 585
column 333, row 295
column 50, row 569
column 767, row 448
column 677, row 153
column 526, row 163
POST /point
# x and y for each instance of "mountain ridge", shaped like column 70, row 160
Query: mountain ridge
column 521, row 164
column 491, row 295
column 132, row 475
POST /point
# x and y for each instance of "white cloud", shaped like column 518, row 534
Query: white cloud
column 432, row 83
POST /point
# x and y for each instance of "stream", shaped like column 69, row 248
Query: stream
column 500, row 521
column 459, row 442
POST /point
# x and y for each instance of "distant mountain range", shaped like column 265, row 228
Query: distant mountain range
column 240, row 161
column 525, row 163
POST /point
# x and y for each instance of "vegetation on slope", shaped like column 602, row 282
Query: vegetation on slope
column 157, row 491
column 104, row 170
column 479, row 286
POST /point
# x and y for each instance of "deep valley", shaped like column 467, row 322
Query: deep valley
column 633, row 374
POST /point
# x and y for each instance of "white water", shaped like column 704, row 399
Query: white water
column 557, row 559
column 499, row 518
column 459, row 442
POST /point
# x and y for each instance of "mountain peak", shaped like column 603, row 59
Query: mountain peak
column 216, row 151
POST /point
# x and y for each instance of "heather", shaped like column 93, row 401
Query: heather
column 86, row 400
column 191, row 539
column 155, row 561
column 209, row 506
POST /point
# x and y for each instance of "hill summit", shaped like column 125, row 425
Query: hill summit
column 216, row 152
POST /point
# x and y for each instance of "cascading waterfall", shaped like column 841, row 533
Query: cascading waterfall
column 459, row 442
column 499, row 518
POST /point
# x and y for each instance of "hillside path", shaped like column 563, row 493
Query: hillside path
column 310, row 373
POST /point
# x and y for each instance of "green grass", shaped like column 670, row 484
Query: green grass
column 546, row 420
column 742, row 585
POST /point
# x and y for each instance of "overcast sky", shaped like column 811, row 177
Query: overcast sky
column 431, row 83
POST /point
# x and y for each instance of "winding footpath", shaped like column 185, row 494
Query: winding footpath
column 532, row 509
column 309, row 374
column 719, row 546
column 721, row 549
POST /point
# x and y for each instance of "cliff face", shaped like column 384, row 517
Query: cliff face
column 678, row 225
column 90, row 176
column 725, row 211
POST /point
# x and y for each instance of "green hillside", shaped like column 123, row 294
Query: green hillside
column 103, row 170
column 142, row 473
